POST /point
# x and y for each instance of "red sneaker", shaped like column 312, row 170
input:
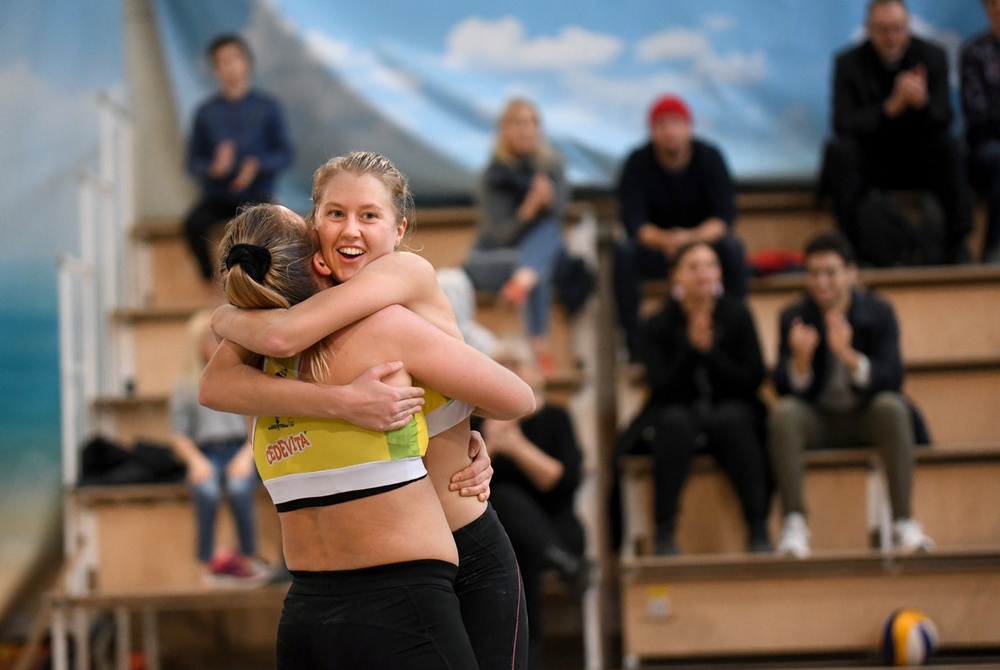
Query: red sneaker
column 515, row 293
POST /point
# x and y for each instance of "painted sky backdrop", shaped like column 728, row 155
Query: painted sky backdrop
column 423, row 82
column 419, row 81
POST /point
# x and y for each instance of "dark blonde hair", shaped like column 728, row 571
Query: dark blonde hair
column 544, row 156
column 361, row 163
column 278, row 272
column 266, row 262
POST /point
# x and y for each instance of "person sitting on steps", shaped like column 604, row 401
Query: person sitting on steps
column 839, row 376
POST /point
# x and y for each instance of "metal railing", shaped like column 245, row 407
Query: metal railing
column 95, row 355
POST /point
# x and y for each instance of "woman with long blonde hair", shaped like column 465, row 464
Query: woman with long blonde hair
column 524, row 194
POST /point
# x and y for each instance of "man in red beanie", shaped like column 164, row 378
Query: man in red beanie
column 673, row 190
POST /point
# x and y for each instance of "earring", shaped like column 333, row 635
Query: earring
column 718, row 290
column 677, row 292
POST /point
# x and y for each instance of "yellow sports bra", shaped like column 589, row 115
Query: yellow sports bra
column 307, row 462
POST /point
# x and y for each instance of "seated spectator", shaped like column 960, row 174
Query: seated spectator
column 674, row 189
column 524, row 197
column 839, row 375
column 238, row 146
column 891, row 116
column 704, row 367
column 536, row 473
column 219, row 459
column 980, row 84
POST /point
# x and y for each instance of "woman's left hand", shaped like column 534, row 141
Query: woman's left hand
column 474, row 480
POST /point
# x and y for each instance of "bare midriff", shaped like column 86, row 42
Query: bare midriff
column 447, row 453
column 403, row 524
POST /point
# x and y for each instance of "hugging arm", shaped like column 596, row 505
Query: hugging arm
column 230, row 384
column 453, row 368
column 396, row 278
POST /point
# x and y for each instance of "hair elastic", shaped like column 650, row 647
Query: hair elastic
column 254, row 260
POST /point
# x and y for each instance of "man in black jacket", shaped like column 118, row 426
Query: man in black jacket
column 891, row 117
column 839, row 376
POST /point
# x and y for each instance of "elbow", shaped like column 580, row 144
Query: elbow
column 206, row 395
column 527, row 404
column 516, row 404
column 277, row 344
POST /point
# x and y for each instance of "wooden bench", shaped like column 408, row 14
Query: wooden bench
column 134, row 553
column 72, row 613
column 844, row 495
column 715, row 600
column 761, row 607
column 923, row 298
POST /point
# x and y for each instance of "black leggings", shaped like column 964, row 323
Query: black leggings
column 491, row 595
column 401, row 615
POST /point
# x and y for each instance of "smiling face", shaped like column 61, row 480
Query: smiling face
column 829, row 280
column 356, row 222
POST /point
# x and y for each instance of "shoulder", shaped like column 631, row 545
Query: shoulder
column 640, row 155
column 664, row 317
column 404, row 265
column 408, row 260
column 930, row 52
column 208, row 105
column 262, row 98
column 706, row 152
column 732, row 308
column 497, row 172
column 872, row 302
column 851, row 54
column 977, row 46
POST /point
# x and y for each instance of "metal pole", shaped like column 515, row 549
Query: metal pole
column 607, row 414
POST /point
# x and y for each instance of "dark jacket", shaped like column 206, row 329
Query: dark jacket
column 503, row 188
column 733, row 367
column 876, row 335
column 649, row 193
column 861, row 83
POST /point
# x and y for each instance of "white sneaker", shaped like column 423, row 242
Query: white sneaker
column 794, row 536
column 909, row 537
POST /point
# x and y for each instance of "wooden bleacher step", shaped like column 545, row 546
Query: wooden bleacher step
column 837, row 603
column 715, row 600
column 950, row 484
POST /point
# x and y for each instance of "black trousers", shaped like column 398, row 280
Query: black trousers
column 729, row 431
column 208, row 213
column 936, row 164
column 532, row 530
column 401, row 615
column 490, row 594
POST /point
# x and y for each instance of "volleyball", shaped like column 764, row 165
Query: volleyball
column 909, row 637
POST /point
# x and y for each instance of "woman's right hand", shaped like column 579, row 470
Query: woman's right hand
column 376, row 405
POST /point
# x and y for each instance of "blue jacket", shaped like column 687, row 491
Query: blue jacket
column 256, row 124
